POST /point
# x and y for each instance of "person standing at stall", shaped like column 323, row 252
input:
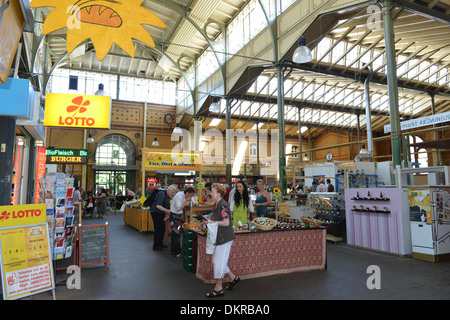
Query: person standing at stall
column 179, row 201
column 225, row 236
column 262, row 199
column 101, row 203
column 159, row 209
column 240, row 206
column 330, row 187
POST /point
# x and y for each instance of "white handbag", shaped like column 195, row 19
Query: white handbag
column 211, row 237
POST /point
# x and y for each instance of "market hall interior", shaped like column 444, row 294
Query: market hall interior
column 293, row 93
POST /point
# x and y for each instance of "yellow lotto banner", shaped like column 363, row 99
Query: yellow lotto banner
column 77, row 111
column 172, row 161
column 27, row 214
column 25, row 261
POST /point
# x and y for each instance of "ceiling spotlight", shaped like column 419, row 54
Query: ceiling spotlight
column 363, row 151
column 177, row 129
column 302, row 54
column 155, row 142
column 215, row 106
column 100, row 91
column 90, row 139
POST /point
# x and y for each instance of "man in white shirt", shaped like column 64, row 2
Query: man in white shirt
column 179, row 201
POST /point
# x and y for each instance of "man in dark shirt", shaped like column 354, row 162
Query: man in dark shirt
column 330, row 186
column 159, row 209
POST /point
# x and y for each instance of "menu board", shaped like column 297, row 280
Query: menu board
column 25, row 261
column 94, row 244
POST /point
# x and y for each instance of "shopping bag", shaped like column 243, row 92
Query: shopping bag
column 211, row 238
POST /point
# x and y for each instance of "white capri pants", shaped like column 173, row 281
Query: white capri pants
column 220, row 259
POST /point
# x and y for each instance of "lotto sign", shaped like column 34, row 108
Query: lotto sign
column 25, row 262
column 12, row 216
column 77, row 111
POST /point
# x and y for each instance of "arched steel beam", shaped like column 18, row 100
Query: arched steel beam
column 182, row 11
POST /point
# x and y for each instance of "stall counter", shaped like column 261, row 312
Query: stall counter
column 267, row 253
column 138, row 218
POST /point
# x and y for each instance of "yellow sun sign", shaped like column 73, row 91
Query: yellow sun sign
column 103, row 21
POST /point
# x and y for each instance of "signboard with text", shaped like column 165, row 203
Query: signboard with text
column 421, row 122
column 25, row 261
column 77, row 111
column 171, row 161
column 73, row 156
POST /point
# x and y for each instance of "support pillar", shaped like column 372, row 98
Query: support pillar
column 7, row 142
column 391, row 71
column 300, row 149
column 228, row 141
column 438, row 160
column 281, row 130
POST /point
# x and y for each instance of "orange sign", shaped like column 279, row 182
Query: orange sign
column 77, row 111
column 103, row 22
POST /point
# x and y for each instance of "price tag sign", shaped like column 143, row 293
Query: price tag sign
column 200, row 185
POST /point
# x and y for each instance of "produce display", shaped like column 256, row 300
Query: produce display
column 263, row 223
column 290, row 224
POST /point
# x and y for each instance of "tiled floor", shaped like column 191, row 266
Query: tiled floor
column 137, row 272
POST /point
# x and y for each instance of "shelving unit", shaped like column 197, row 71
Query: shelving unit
column 329, row 207
column 376, row 221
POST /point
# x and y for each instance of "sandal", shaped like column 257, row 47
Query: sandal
column 233, row 283
column 214, row 293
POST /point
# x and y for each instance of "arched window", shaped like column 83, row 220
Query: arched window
column 115, row 164
column 115, row 150
column 418, row 155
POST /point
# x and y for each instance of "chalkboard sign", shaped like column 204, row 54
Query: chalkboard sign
column 93, row 244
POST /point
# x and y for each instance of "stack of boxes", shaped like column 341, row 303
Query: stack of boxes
column 187, row 249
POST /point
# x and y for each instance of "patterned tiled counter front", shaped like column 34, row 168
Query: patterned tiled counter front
column 269, row 253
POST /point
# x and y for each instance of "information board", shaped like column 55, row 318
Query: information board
column 94, row 248
column 25, row 262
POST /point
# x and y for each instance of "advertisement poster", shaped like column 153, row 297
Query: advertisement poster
column 419, row 204
column 26, row 266
column 40, row 170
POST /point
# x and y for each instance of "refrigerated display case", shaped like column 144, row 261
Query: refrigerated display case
column 329, row 208
column 429, row 210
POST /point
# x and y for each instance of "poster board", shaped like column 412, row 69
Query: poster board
column 93, row 245
column 25, row 260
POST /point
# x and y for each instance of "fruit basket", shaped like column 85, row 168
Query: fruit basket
column 312, row 222
column 192, row 225
column 263, row 223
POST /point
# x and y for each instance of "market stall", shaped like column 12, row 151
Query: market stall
column 289, row 247
column 191, row 212
column 138, row 218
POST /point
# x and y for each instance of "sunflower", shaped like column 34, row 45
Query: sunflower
column 276, row 190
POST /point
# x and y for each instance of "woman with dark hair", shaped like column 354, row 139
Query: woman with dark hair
column 240, row 206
